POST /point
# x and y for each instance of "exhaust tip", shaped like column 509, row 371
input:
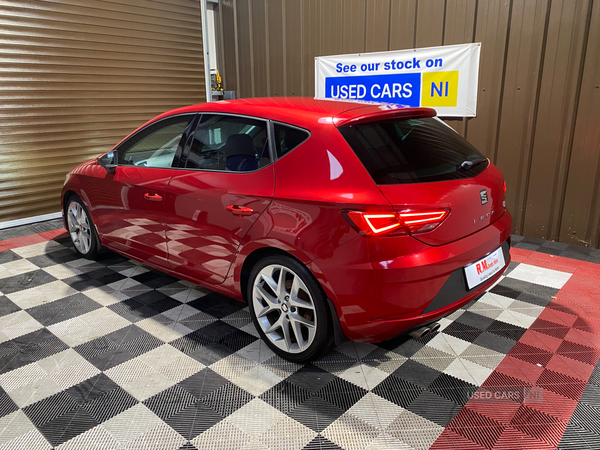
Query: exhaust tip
column 420, row 332
column 435, row 327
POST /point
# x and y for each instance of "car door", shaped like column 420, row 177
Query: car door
column 129, row 203
column 225, row 183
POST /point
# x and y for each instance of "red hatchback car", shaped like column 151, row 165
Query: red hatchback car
column 326, row 217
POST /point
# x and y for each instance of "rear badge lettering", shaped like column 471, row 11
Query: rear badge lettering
column 484, row 196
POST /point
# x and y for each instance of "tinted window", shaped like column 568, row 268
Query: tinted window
column 413, row 150
column 156, row 145
column 287, row 138
column 229, row 143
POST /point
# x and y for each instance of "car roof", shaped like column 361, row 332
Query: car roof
column 304, row 110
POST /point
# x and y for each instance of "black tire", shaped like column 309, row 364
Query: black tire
column 75, row 228
column 322, row 336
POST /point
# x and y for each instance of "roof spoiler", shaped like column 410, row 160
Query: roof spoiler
column 383, row 114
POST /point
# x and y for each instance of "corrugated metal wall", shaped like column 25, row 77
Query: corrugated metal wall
column 538, row 113
column 76, row 76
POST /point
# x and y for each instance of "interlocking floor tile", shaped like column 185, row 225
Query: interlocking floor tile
column 114, row 354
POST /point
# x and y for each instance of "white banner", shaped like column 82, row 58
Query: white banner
column 444, row 78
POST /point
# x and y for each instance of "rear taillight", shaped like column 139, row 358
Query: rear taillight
column 504, row 186
column 394, row 224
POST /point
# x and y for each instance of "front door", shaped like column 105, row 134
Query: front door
column 129, row 203
column 225, row 183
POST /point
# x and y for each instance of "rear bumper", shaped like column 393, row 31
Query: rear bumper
column 378, row 294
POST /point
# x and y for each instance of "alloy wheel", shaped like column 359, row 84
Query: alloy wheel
column 284, row 308
column 79, row 227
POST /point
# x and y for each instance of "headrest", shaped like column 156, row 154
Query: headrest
column 239, row 144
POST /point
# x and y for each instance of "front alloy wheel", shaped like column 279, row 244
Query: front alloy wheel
column 81, row 228
column 289, row 309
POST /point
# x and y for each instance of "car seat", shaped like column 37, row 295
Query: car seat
column 240, row 153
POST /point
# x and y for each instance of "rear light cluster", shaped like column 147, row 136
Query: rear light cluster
column 395, row 224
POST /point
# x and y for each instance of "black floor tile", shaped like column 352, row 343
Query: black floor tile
column 52, row 258
column 170, row 402
column 549, row 250
column 8, row 256
column 24, row 230
column 67, row 426
column 398, row 391
column 524, row 286
column 474, row 320
column 453, row 389
column 7, row 405
column 26, row 281
column 506, row 330
column 286, row 396
column 29, row 348
column 461, row 331
column 341, row 393
column 534, row 299
column 154, row 279
column 417, row 373
column 63, row 309
column 203, row 383
column 7, row 306
column 321, row 443
column 316, row 413
column 495, row 342
column 435, row 408
column 45, row 411
column 311, row 378
column 194, row 420
column 217, row 305
column 227, row 399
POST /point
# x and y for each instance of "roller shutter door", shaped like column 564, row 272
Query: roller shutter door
column 76, row 76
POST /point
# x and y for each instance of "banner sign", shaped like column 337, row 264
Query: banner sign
column 443, row 78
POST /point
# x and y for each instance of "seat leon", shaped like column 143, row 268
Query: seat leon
column 331, row 219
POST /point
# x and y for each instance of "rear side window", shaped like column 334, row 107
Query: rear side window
column 413, row 151
column 229, row 143
column 288, row 138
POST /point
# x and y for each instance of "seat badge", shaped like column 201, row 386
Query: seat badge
column 484, row 196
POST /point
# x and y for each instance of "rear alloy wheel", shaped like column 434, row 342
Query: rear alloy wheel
column 81, row 228
column 289, row 309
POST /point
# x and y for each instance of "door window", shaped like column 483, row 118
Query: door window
column 156, row 145
column 229, row 143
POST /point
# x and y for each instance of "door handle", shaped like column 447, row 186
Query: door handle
column 153, row 198
column 240, row 210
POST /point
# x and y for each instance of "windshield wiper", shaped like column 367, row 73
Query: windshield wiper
column 466, row 165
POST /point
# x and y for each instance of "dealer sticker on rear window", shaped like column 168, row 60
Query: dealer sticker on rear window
column 485, row 268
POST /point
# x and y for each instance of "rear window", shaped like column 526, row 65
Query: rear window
column 413, row 151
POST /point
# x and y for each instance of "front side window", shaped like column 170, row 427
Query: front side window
column 229, row 143
column 156, row 145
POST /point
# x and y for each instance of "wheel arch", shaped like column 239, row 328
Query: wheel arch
column 263, row 252
column 67, row 194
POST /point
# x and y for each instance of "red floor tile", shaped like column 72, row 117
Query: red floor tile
column 541, row 340
column 513, row 439
column 554, row 262
column 31, row 239
column 519, row 255
column 570, row 367
column 544, row 427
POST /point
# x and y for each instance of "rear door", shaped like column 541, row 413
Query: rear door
column 129, row 203
column 420, row 163
column 225, row 182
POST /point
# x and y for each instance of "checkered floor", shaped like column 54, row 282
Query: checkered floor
column 115, row 355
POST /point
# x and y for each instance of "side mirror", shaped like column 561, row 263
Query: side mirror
column 109, row 161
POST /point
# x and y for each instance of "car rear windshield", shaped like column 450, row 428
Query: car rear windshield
column 404, row 151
